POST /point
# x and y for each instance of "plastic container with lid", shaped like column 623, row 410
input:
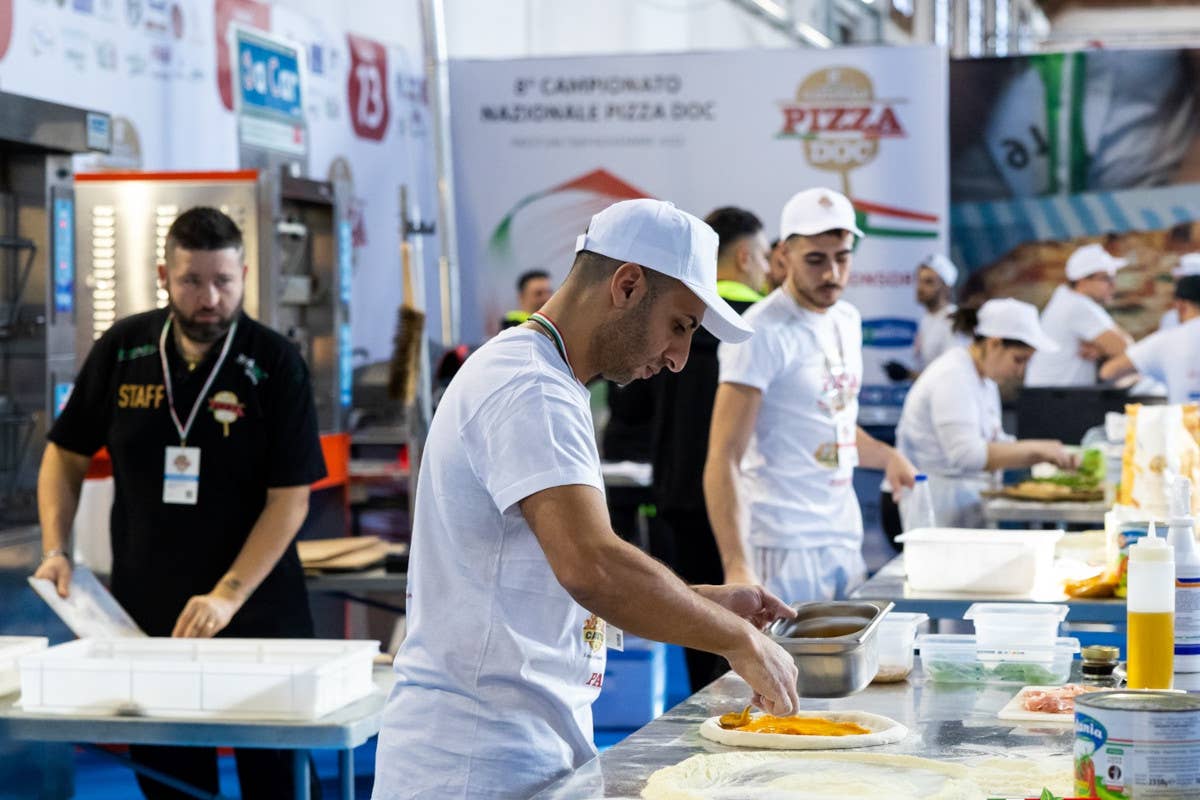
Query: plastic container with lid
column 977, row 561
column 896, row 638
column 1007, row 625
column 957, row 658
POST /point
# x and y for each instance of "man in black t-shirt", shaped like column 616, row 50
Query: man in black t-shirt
column 683, row 404
column 209, row 420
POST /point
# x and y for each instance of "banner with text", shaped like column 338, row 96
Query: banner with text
column 540, row 145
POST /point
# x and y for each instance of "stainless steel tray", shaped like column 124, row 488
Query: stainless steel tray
column 833, row 644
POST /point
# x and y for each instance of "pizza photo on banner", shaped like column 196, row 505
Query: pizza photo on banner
column 540, row 145
column 1053, row 151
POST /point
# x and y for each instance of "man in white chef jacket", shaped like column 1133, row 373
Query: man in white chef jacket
column 1171, row 356
column 785, row 438
column 1077, row 323
column 936, row 278
column 515, row 568
column 1189, row 265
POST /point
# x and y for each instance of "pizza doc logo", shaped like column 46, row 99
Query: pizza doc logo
column 367, row 87
column 839, row 120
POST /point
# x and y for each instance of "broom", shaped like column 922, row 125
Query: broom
column 410, row 324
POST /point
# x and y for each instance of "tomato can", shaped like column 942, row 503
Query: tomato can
column 1137, row 745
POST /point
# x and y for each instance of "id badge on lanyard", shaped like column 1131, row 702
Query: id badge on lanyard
column 839, row 394
column 845, row 428
column 181, row 465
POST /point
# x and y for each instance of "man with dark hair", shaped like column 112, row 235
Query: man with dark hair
column 776, row 266
column 209, row 419
column 1168, row 355
column 515, row 571
column 683, row 411
column 533, row 290
column 785, row 440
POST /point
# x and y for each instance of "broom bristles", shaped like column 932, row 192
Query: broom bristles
column 406, row 356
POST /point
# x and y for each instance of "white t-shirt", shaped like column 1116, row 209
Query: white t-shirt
column 799, row 493
column 496, row 678
column 1169, row 320
column 1070, row 319
column 935, row 335
column 950, row 416
column 1173, row 357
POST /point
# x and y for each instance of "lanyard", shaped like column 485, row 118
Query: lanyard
column 162, row 354
column 552, row 329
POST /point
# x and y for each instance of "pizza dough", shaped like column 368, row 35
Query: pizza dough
column 850, row 776
column 882, row 731
column 810, row 776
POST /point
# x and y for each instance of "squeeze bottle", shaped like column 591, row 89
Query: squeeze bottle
column 1182, row 537
column 1151, row 613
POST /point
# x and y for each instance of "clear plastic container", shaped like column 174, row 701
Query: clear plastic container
column 964, row 560
column 916, row 506
column 896, row 637
column 1015, row 625
column 957, row 658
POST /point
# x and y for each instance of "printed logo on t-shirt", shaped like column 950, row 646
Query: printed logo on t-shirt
column 593, row 634
column 226, row 409
column 136, row 352
column 827, row 455
column 140, row 395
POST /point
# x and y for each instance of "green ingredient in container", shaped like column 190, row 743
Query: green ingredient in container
column 956, row 671
column 1006, row 672
column 1017, row 672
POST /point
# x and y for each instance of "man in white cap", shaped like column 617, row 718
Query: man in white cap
column 1170, row 355
column 935, row 280
column 1189, row 265
column 1076, row 321
column 785, row 438
column 515, row 568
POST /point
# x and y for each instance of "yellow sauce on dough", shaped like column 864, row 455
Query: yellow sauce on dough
column 801, row 726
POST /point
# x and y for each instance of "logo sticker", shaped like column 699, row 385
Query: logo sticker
column 593, row 634
column 226, row 409
column 840, row 121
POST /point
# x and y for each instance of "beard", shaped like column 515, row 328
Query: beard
column 203, row 332
column 624, row 344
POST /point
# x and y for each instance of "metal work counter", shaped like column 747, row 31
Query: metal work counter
column 1003, row 509
column 950, row 723
column 889, row 584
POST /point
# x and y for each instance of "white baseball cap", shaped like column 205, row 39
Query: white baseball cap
column 943, row 266
column 1090, row 259
column 1012, row 319
column 657, row 235
column 1189, row 265
column 816, row 211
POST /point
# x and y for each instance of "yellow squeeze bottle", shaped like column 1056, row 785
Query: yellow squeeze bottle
column 1151, row 613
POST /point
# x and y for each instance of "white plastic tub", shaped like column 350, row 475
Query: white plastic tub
column 12, row 648
column 966, row 560
column 1007, row 625
column 896, row 636
column 227, row 678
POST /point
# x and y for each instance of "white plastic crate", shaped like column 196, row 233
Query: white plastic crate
column 977, row 561
column 11, row 649
column 227, row 678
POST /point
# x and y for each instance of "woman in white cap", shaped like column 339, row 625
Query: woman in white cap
column 1189, row 267
column 950, row 427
